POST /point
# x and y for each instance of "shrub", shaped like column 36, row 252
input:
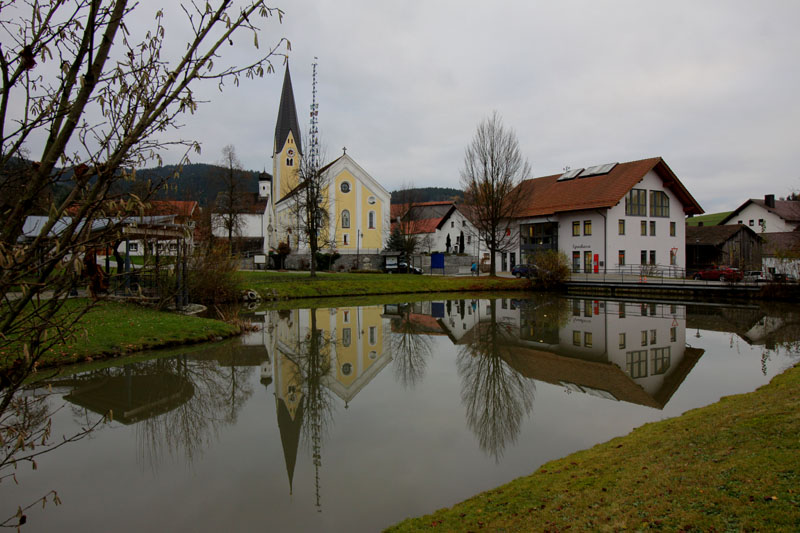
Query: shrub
column 552, row 268
column 212, row 276
column 325, row 261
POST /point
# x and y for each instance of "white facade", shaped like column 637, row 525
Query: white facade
column 761, row 220
column 456, row 226
column 252, row 224
column 609, row 240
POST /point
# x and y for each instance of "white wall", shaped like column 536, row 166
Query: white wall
column 753, row 213
column 633, row 242
column 605, row 240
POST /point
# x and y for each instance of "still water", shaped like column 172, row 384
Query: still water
column 352, row 418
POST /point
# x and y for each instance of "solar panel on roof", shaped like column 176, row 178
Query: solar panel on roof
column 597, row 170
column 570, row 174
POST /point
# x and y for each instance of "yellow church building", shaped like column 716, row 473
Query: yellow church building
column 358, row 206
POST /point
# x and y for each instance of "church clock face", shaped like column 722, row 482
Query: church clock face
column 290, row 153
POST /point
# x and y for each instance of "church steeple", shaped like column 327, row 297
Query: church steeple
column 287, row 116
column 287, row 150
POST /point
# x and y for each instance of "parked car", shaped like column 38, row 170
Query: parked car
column 781, row 277
column 522, row 271
column 720, row 274
column 404, row 268
column 755, row 276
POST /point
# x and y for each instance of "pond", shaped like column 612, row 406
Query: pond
column 351, row 418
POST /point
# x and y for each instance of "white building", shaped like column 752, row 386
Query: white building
column 255, row 220
column 606, row 218
column 438, row 226
column 767, row 216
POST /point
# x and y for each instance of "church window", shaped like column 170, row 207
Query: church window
column 373, row 335
column 371, row 220
column 347, row 369
column 371, row 200
column 345, row 240
column 346, row 337
column 345, row 219
column 345, row 187
column 289, row 161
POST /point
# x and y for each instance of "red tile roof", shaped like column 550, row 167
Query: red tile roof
column 413, row 227
column 547, row 196
column 184, row 208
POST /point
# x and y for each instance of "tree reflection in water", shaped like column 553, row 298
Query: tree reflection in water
column 497, row 398
column 220, row 390
column 410, row 347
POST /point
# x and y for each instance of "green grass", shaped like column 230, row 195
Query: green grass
column 711, row 219
column 114, row 328
column 730, row 466
column 283, row 285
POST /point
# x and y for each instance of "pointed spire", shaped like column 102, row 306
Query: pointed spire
column 290, row 436
column 287, row 116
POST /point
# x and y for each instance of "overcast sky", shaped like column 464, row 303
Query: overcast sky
column 712, row 87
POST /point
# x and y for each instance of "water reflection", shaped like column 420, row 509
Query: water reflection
column 178, row 405
column 496, row 397
column 315, row 364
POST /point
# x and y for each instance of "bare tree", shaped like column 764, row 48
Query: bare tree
column 91, row 96
column 230, row 201
column 310, row 207
column 493, row 169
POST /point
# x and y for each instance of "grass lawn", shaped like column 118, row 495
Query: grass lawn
column 114, row 328
column 730, row 466
column 711, row 219
column 282, row 285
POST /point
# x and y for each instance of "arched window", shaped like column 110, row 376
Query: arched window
column 345, row 219
column 371, row 220
column 289, row 162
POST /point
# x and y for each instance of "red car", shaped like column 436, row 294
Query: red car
column 720, row 274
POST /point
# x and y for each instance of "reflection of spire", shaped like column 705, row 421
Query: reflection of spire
column 290, row 435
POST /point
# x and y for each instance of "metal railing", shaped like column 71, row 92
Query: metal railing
column 652, row 274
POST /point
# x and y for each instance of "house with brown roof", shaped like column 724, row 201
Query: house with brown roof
column 768, row 215
column 606, row 218
column 439, row 226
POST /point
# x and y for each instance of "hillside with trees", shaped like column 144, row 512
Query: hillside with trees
column 427, row 194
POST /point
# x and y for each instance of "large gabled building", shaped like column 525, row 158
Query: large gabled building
column 606, row 218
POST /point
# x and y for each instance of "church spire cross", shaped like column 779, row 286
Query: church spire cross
column 344, row 150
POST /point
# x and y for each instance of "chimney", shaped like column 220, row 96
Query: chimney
column 769, row 200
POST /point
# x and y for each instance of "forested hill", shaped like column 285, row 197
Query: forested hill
column 427, row 194
column 196, row 181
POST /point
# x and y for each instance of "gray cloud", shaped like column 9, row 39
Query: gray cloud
column 710, row 86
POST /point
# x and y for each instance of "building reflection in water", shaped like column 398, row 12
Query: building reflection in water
column 315, row 359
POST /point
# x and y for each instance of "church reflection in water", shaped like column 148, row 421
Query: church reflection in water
column 318, row 360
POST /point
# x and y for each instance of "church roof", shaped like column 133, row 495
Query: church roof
column 287, row 116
